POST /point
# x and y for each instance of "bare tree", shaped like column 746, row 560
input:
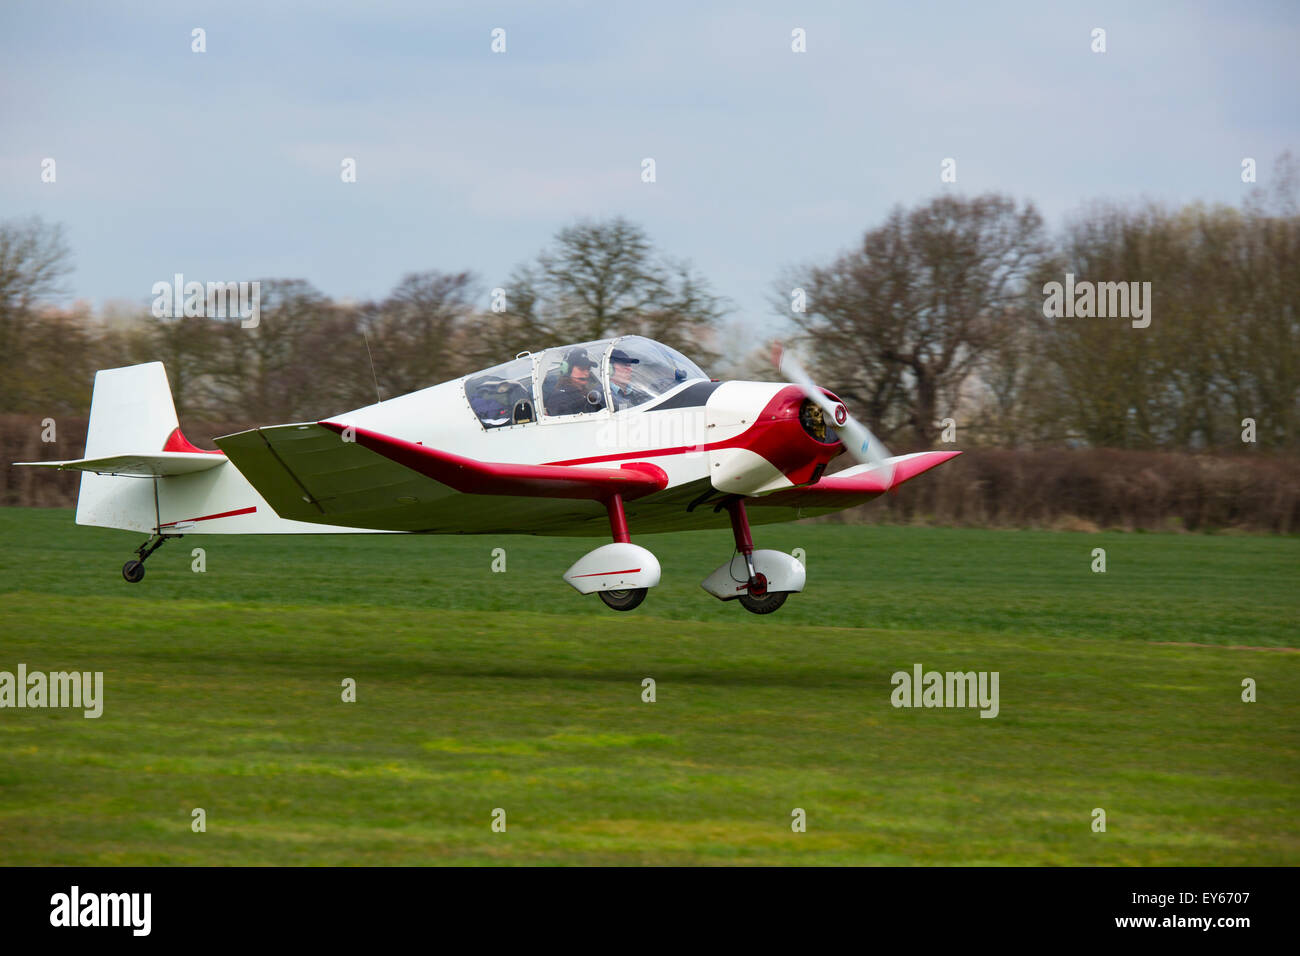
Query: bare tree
column 419, row 334
column 1223, row 337
column 901, row 322
column 33, row 261
column 606, row 278
column 263, row 373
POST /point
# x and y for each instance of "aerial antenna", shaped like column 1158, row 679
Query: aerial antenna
column 379, row 398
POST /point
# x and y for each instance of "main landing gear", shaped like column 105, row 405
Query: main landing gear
column 623, row 599
column 133, row 570
column 756, row 597
column 622, row 572
column 765, row 578
column 759, row 599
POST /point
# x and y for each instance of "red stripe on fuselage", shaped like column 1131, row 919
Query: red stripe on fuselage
column 652, row 453
column 597, row 574
column 224, row 514
column 775, row 435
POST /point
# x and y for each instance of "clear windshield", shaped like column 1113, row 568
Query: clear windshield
column 503, row 395
column 579, row 380
column 641, row 370
column 572, row 383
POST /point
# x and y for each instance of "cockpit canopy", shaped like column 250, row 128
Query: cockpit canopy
column 612, row 374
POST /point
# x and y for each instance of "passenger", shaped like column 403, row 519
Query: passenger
column 491, row 402
column 622, row 392
column 577, row 390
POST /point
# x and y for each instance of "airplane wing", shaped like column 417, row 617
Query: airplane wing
column 473, row 477
column 311, row 472
column 853, row 486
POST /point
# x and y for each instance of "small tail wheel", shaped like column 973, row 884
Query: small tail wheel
column 133, row 571
column 766, row 604
column 624, row 599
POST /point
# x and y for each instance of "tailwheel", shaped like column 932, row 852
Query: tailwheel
column 133, row 570
column 624, row 599
column 765, row 604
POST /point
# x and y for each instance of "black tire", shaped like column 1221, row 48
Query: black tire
column 625, row 599
column 766, row 604
column 133, row 571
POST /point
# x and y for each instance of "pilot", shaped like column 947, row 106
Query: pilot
column 577, row 390
column 622, row 392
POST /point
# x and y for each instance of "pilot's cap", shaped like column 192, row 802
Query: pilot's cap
column 623, row 358
column 578, row 359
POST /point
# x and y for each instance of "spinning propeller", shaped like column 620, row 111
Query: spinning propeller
column 857, row 438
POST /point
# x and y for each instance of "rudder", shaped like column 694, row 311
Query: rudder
column 131, row 412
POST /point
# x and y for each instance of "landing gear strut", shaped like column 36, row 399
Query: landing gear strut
column 769, row 576
column 756, row 598
column 133, row 570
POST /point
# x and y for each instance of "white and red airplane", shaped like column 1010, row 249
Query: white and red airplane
column 580, row 440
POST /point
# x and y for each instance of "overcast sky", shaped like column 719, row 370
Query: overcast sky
column 225, row 165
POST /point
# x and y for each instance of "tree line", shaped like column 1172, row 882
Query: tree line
column 939, row 318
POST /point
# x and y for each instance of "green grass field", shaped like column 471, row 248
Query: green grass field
column 478, row 690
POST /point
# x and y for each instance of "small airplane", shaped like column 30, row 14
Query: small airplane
column 579, row 440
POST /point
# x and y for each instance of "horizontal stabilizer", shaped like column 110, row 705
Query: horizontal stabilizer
column 158, row 464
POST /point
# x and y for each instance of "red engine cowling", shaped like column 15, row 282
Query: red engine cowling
column 768, row 438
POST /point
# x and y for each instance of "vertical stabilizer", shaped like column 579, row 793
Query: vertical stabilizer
column 131, row 412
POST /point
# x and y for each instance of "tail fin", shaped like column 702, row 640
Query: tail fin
column 133, row 439
column 131, row 411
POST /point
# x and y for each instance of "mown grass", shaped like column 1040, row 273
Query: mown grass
column 478, row 690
